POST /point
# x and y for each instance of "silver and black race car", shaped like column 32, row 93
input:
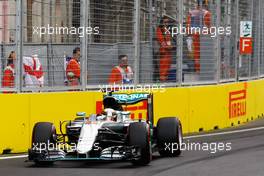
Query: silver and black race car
column 110, row 135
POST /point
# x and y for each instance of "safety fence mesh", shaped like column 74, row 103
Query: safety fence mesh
column 38, row 39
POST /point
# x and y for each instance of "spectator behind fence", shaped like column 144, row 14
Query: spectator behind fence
column 121, row 74
column 164, row 39
column 33, row 72
column 8, row 79
column 199, row 17
column 73, row 69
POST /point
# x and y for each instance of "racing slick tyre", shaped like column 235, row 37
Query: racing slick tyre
column 44, row 134
column 139, row 136
column 169, row 136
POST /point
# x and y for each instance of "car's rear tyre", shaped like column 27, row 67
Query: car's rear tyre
column 44, row 134
column 139, row 136
column 169, row 136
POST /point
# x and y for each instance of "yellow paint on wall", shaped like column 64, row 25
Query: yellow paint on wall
column 174, row 102
column 14, row 117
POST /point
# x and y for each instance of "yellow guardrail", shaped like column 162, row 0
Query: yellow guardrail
column 200, row 108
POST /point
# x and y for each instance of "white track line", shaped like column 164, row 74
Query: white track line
column 187, row 137
column 224, row 133
column 13, row 157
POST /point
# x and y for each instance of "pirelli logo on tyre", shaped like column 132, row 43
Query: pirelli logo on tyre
column 238, row 103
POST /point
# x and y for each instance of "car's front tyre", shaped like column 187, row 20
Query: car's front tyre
column 44, row 134
column 169, row 136
column 139, row 136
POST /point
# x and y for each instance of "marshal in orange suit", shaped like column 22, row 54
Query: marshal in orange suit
column 165, row 51
column 8, row 79
column 73, row 70
column 199, row 17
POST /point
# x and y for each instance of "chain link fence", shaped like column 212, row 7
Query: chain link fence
column 158, row 37
column 228, row 44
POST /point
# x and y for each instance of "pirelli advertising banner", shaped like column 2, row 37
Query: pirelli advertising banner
column 238, row 102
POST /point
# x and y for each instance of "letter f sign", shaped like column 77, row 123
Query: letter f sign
column 245, row 45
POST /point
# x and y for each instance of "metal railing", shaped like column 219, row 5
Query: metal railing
column 128, row 27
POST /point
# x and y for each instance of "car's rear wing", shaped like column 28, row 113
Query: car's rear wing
column 116, row 100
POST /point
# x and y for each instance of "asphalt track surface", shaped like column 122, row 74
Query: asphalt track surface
column 246, row 158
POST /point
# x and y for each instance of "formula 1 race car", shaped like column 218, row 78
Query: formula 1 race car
column 111, row 135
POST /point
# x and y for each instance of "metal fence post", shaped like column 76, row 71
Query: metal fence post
column 88, row 20
column 151, row 31
column 250, row 58
column 49, row 63
column 218, row 44
column 180, row 44
column 1, row 60
column 262, row 38
column 237, row 31
column 136, row 40
column 19, row 45
column 259, row 36
column 83, row 22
